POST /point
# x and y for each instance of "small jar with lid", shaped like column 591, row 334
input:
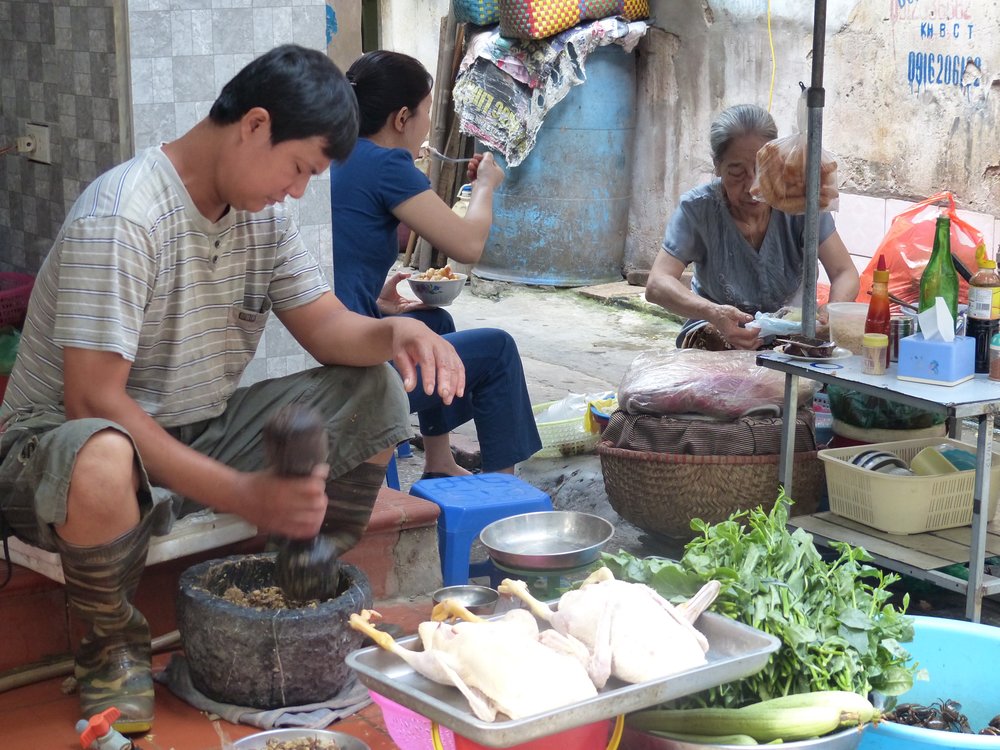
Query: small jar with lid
column 873, row 351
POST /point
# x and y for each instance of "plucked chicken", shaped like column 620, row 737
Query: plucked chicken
column 499, row 665
column 629, row 630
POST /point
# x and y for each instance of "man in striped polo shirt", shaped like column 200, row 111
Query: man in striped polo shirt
column 123, row 410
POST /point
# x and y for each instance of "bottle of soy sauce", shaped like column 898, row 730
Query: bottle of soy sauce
column 984, row 310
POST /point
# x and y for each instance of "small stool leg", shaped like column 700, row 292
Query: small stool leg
column 392, row 474
column 454, row 550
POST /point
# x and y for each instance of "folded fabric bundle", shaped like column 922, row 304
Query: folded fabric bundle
column 353, row 696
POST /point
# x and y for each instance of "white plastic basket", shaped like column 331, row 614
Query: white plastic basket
column 901, row 504
column 563, row 437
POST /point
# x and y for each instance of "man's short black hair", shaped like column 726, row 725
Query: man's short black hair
column 302, row 90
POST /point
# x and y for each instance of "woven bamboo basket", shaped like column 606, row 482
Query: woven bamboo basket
column 662, row 492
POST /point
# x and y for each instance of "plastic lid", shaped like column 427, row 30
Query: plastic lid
column 987, row 263
column 875, row 340
column 881, row 273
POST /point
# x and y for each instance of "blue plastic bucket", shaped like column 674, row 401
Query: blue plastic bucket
column 961, row 660
column 560, row 217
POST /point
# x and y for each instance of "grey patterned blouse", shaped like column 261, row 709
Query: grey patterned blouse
column 727, row 269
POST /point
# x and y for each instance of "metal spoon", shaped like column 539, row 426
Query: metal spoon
column 438, row 155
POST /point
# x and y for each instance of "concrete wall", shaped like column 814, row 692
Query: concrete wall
column 413, row 27
column 908, row 112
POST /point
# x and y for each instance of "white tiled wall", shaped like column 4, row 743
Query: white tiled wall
column 862, row 222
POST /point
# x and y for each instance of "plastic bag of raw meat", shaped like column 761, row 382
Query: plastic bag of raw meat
column 717, row 385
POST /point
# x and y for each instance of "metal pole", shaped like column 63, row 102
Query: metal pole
column 815, row 97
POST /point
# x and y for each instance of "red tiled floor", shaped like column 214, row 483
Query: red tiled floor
column 41, row 717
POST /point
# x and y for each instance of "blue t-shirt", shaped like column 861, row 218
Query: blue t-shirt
column 727, row 269
column 363, row 192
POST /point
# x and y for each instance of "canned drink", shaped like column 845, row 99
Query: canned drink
column 900, row 326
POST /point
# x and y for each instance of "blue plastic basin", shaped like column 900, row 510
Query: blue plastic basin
column 961, row 659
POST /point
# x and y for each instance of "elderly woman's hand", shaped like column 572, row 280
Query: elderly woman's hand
column 729, row 322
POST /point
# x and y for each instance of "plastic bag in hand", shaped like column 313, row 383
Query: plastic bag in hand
column 720, row 385
column 776, row 324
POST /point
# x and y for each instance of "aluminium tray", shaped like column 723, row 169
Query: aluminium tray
column 735, row 651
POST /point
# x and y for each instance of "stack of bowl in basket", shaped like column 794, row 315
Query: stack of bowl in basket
column 698, row 435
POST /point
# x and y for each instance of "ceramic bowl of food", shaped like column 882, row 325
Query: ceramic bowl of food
column 437, row 292
column 479, row 600
column 291, row 739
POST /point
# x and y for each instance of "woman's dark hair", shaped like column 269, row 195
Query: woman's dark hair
column 736, row 121
column 305, row 94
column 385, row 82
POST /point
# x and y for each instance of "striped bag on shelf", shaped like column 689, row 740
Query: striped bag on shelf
column 476, row 12
column 537, row 19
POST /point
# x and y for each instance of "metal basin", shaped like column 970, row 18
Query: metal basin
column 479, row 600
column 548, row 540
column 333, row 739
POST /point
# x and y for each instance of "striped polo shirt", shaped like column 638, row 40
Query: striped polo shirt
column 137, row 270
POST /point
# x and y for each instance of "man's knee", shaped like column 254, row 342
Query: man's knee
column 105, row 463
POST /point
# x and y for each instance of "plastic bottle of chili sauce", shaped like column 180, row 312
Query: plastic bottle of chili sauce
column 877, row 320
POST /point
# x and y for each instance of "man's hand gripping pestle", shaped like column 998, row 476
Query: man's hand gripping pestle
column 295, row 442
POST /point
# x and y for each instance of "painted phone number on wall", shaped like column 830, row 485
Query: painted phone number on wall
column 936, row 69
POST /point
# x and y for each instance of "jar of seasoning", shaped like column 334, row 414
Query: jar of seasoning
column 873, row 352
column 995, row 357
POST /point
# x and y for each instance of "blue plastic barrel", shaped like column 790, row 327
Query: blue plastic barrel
column 560, row 217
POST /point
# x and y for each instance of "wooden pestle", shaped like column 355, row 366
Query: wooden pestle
column 295, row 442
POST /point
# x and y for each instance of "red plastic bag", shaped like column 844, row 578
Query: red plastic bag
column 907, row 248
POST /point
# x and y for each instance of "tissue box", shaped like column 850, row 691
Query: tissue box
column 937, row 362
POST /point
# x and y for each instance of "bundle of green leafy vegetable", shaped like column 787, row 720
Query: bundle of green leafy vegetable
column 837, row 626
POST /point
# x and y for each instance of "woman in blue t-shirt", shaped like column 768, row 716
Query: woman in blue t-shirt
column 375, row 189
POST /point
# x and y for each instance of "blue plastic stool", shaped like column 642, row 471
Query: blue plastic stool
column 468, row 505
column 392, row 474
column 403, row 450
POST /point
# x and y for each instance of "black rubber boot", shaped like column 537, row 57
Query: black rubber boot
column 113, row 664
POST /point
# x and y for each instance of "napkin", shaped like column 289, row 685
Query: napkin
column 936, row 323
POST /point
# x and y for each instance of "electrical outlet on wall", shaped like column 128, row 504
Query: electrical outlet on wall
column 40, row 134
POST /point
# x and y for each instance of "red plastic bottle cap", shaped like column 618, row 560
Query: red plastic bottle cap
column 98, row 726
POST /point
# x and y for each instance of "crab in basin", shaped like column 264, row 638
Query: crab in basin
column 629, row 630
column 500, row 665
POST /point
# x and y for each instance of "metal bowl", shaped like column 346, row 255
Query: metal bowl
column 548, row 540
column 845, row 739
column 259, row 741
column 479, row 600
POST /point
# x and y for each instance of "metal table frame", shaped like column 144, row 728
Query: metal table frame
column 978, row 398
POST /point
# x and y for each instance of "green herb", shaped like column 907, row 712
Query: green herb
column 838, row 629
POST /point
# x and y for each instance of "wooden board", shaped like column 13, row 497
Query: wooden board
column 194, row 533
column 929, row 551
